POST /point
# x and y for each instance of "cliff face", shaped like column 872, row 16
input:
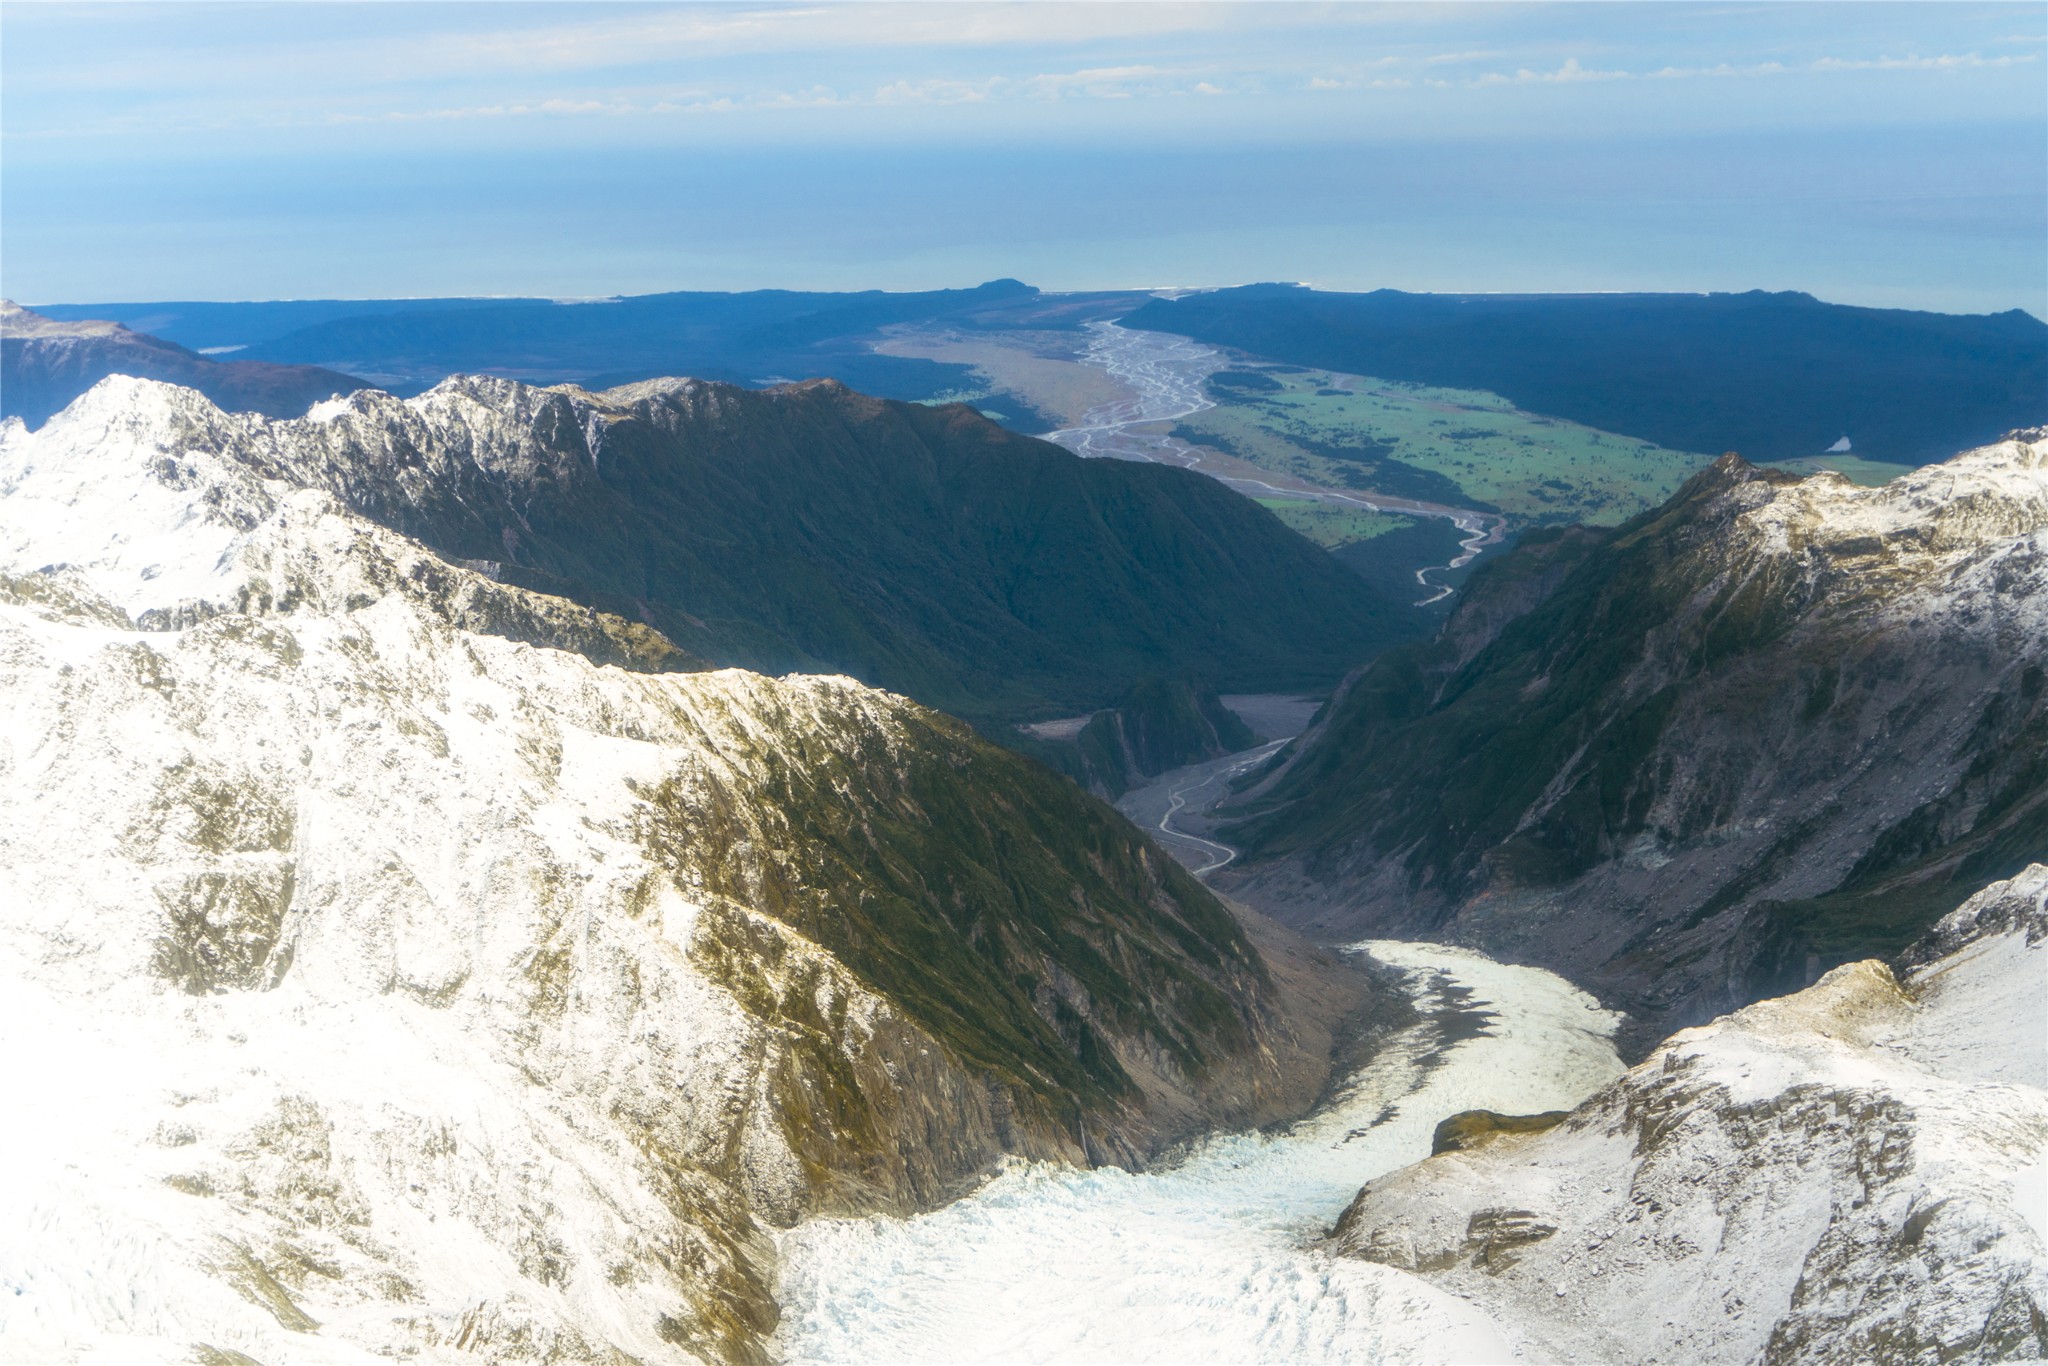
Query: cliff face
column 1158, row 725
column 411, row 962
column 1775, row 725
column 1852, row 1173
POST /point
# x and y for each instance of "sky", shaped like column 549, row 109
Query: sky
column 1892, row 154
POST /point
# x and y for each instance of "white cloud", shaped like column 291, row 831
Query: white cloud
column 936, row 92
column 1949, row 62
column 1570, row 73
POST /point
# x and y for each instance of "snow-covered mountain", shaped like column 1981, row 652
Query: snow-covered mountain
column 1858, row 1172
column 396, row 962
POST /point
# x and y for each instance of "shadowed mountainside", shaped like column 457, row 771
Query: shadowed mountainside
column 45, row 364
column 1160, row 724
column 1774, row 725
column 489, row 992
column 755, row 337
column 926, row 550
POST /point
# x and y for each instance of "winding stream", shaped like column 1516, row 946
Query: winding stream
column 1164, row 374
column 1213, row 1258
column 1194, row 790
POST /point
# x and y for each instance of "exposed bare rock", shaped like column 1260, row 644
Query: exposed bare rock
column 1858, row 1172
column 1776, row 725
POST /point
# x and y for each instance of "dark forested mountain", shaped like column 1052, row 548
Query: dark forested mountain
column 756, row 337
column 1768, row 375
column 45, row 363
column 209, row 325
column 811, row 528
column 1772, row 725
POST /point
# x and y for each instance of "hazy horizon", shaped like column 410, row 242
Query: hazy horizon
column 1882, row 155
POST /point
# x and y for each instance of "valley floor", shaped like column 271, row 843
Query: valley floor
column 1174, row 807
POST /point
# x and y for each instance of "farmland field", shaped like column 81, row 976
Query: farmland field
column 1330, row 525
column 1867, row 473
column 1444, row 445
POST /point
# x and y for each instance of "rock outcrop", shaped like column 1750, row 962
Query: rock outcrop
column 811, row 528
column 1858, row 1172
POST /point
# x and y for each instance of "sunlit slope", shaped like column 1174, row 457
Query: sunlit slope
column 1850, row 1173
column 414, row 959
column 924, row 550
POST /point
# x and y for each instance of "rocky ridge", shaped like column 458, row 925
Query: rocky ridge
column 1775, row 725
column 405, row 962
column 1858, row 1172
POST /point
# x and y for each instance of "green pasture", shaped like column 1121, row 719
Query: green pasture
column 1439, row 445
column 1866, row 473
column 1330, row 525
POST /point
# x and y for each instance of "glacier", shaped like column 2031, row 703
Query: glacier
column 1214, row 1258
column 359, row 1005
column 1849, row 1173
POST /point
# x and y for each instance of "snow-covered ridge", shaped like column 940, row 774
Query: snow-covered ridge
column 146, row 488
column 1777, row 691
column 1979, row 495
column 365, row 994
column 1854, row 1172
column 448, row 1069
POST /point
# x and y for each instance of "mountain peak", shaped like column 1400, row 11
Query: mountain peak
column 17, row 322
column 807, row 528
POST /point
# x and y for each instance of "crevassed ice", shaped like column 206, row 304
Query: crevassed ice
column 1212, row 1259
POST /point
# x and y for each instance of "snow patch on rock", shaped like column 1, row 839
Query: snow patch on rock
column 1848, row 1173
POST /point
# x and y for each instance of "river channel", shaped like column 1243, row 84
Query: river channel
column 1163, row 377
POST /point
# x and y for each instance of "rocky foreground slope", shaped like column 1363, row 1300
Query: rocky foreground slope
column 1775, row 725
column 1858, row 1172
column 399, row 962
